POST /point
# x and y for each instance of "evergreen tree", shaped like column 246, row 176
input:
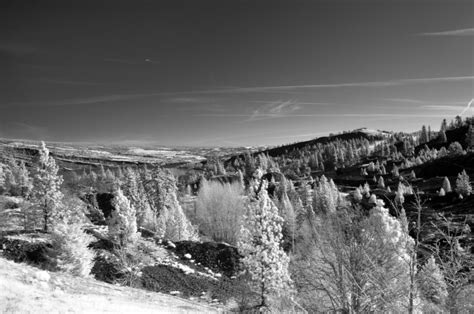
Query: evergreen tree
column 423, row 135
column 463, row 184
column 431, row 283
column 123, row 222
column 70, row 242
column 381, row 183
column 442, row 137
column 172, row 222
column 47, row 184
column 260, row 244
column 446, row 185
column 470, row 137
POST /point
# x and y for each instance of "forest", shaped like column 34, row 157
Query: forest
column 361, row 221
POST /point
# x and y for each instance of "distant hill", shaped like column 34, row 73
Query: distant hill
column 362, row 133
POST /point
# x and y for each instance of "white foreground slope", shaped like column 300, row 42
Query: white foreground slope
column 25, row 289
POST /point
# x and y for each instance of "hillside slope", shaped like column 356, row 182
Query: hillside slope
column 25, row 289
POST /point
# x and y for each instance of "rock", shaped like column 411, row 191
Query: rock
column 187, row 255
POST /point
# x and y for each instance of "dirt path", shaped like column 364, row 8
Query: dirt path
column 25, row 289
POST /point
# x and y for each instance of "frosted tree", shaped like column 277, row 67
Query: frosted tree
column 47, row 193
column 381, row 183
column 350, row 263
column 70, row 242
column 446, row 185
column 399, row 195
column 134, row 191
column 24, row 181
column 442, row 192
column 358, row 195
column 463, row 185
column 287, row 212
column 123, row 221
column 431, row 283
column 260, row 244
column 172, row 222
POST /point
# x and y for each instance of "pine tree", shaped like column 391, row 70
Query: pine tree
column 47, row 184
column 446, row 185
column 260, row 244
column 431, row 283
column 123, row 222
column 381, row 183
column 172, row 222
column 442, row 137
column 399, row 198
column 423, row 135
column 463, row 185
column 70, row 242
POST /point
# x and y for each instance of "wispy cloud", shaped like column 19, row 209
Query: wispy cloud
column 329, row 115
column 396, row 82
column 69, row 82
column 467, row 107
column 274, row 110
column 131, row 61
column 82, row 101
column 443, row 107
column 454, row 32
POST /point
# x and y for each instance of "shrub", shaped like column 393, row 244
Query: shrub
column 219, row 210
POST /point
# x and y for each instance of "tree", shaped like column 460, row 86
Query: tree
column 70, row 242
column 260, row 244
column 470, row 137
column 442, row 137
column 172, row 222
column 431, row 283
column 423, row 135
column 446, row 185
column 47, row 184
column 123, row 221
column 452, row 258
column 455, row 149
column 463, row 184
column 348, row 262
column 381, row 183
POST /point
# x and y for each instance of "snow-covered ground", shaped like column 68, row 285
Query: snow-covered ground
column 25, row 289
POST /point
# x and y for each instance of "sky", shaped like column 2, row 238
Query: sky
column 228, row 72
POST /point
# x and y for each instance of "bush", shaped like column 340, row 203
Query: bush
column 219, row 210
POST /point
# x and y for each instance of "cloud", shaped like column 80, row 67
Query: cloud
column 443, row 107
column 467, row 107
column 274, row 110
column 131, row 61
column 82, row 101
column 388, row 83
column 69, row 82
column 455, row 32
